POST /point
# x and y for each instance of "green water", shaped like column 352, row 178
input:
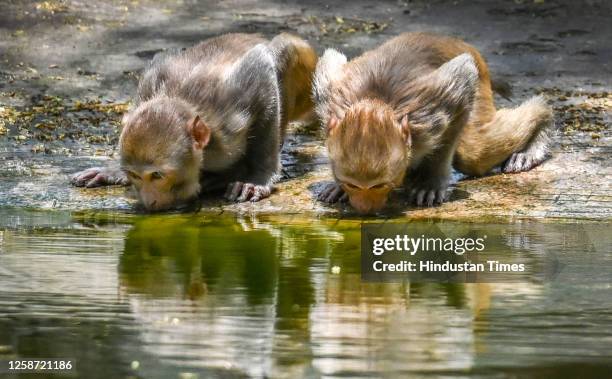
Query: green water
column 215, row 296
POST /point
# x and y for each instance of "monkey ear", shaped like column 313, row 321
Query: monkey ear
column 332, row 124
column 405, row 128
column 200, row 133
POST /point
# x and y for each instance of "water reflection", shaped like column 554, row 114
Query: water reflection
column 272, row 302
column 235, row 298
column 282, row 297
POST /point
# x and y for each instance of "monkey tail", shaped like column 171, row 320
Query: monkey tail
column 517, row 137
column 296, row 62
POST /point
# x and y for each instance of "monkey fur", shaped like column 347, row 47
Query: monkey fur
column 211, row 117
column 405, row 112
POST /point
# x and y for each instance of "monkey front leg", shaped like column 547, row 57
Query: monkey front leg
column 259, row 169
column 243, row 191
column 254, row 85
column 332, row 193
column 443, row 101
column 428, row 183
column 255, row 185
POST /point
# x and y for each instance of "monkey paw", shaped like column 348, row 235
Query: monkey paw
column 521, row 161
column 240, row 191
column 99, row 176
column 428, row 196
column 332, row 193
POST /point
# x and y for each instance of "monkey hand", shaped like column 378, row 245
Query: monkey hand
column 241, row 191
column 332, row 193
column 99, row 176
column 429, row 193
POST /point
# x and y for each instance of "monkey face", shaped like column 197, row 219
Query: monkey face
column 367, row 200
column 161, row 148
column 369, row 151
column 369, row 182
column 163, row 189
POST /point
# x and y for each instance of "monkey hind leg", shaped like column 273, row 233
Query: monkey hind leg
column 296, row 61
column 518, row 138
column 329, row 68
column 532, row 155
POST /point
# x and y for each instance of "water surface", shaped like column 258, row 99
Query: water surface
column 215, row 296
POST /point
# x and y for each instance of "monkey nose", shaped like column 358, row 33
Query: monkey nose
column 364, row 208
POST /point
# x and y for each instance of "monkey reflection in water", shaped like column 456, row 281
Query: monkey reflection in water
column 269, row 282
column 211, row 118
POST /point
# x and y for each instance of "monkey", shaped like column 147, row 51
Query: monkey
column 209, row 118
column 405, row 113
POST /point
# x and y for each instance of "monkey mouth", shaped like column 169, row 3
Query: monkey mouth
column 193, row 205
column 369, row 210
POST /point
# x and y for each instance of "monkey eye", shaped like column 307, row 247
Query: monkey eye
column 351, row 186
column 379, row 186
column 156, row 175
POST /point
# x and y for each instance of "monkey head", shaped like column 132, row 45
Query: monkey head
column 161, row 152
column 369, row 153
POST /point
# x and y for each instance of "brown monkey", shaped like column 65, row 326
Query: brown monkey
column 403, row 113
column 211, row 117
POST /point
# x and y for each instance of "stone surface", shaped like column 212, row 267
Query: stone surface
column 68, row 69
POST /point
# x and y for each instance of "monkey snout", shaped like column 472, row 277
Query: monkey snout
column 367, row 205
column 363, row 209
column 155, row 202
column 151, row 205
column 157, row 206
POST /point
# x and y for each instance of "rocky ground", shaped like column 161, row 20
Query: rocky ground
column 69, row 68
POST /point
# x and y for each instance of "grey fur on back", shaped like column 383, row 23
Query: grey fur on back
column 205, row 77
column 231, row 82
